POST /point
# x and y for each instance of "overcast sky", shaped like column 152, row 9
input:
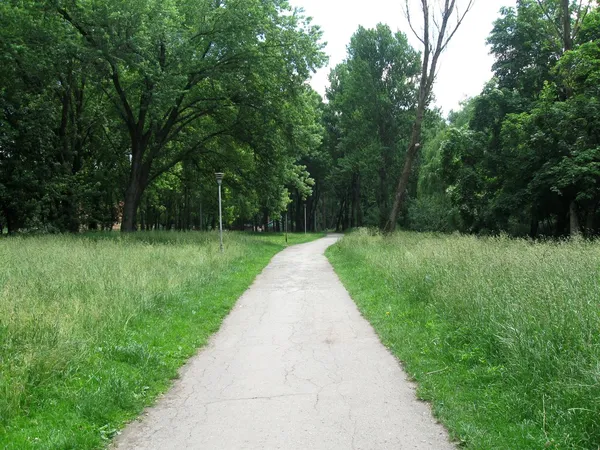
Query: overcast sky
column 465, row 66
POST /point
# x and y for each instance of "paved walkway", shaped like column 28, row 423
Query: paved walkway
column 294, row 366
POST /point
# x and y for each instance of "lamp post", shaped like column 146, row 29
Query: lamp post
column 304, row 217
column 219, row 177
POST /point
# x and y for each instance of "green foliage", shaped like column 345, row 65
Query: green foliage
column 500, row 334
column 525, row 47
column 89, row 339
column 100, row 99
column 53, row 175
column 371, row 106
column 527, row 159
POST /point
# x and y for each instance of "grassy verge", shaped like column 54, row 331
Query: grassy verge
column 92, row 328
column 502, row 336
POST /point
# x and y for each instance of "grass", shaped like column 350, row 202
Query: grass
column 94, row 327
column 502, row 335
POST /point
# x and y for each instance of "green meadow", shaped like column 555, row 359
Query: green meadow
column 94, row 327
column 502, row 335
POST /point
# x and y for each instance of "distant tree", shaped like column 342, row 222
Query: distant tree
column 371, row 105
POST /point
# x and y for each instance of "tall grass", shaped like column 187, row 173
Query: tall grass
column 503, row 335
column 93, row 327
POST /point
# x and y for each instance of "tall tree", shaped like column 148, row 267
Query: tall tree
column 528, row 162
column 180, row 73
column 438, row 30
column 371, row 100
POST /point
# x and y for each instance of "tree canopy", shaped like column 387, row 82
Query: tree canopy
column 119, row 112
column 150, row 85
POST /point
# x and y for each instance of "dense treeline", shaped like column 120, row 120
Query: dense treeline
column 523, row 157
column 121, row 111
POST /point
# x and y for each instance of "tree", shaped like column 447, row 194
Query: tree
column 529, row 46
column 371, row 105
column 50, row 151
column 438, row 30
column 527, row 162
column 180, row 74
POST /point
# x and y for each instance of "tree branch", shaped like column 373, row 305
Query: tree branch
column 580, row 18
column 550, row 19
column 410, row 24
column 180, row 157
column 130, row 118
column 461, row 18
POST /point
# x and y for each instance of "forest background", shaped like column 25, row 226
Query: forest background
column 120, row 113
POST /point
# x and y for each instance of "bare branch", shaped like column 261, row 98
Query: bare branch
column 459, row 21
column 437, row 26
column 410, row 24
column 431, row 54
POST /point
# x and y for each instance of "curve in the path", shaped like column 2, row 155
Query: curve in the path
column 294, row 366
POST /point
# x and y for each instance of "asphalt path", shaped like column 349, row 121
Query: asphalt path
column 294, row 366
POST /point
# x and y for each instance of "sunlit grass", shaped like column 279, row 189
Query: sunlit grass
column 93, row 327
column 502, row 335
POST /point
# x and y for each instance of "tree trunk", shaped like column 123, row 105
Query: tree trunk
column 359, row 215
column 266, row 219
column 10, row 220
column 431, row 54
column 352, row 218
column 338, row 226
column 346, row 223
column 143, row 219
column 324, row 212
column 138, row 180
column 201, row 216
column 574, row 228
column 534, row 227
column 589, row 220
column 566, row 25
column 411, row 155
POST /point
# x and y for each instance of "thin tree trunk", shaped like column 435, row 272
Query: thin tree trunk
column 325, row 210
column 411, row 155
column 574, row 228
column 533, row 230
column 431, row 54
column 266, row 219
column 338, row 225
column 589, row 221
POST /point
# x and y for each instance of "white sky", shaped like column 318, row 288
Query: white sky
column 465, row 66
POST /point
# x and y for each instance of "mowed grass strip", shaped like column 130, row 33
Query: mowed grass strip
column 502, row 335
column 92, row 328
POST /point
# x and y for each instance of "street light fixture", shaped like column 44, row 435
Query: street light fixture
column 219, row 177
column 286, row 226
column 304, row 216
